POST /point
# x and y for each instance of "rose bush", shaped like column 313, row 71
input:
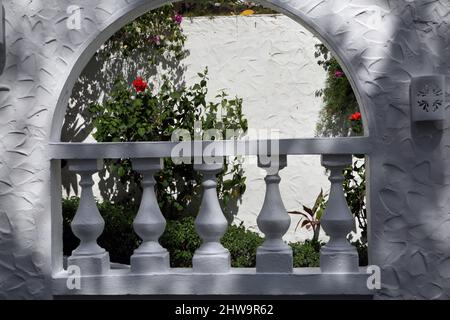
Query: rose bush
column 143, row 113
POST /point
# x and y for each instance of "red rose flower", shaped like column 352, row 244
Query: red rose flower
column 355, row 117
column 139, row 84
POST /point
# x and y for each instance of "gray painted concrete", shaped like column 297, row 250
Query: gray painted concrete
column 304, row 281
column 382, row 45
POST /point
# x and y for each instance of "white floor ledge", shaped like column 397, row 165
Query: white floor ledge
column 303, row 281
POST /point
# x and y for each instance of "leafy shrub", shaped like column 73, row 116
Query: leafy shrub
column 181, row 240
column 339, row 99
column 143, row 114
column 306, row 254
column 242, row 244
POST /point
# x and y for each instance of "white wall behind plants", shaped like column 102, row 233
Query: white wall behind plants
column 268, row 60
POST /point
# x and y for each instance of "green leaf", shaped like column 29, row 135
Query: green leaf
column 141, row 132
column 121, row 171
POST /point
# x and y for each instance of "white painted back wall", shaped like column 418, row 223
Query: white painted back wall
column 268, row 60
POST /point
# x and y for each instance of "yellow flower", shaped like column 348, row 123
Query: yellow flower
column 247, row 12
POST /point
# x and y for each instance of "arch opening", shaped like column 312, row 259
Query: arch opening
column 134, row 11
column 117, row 22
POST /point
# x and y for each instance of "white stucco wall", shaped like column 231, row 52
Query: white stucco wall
column 268, row 60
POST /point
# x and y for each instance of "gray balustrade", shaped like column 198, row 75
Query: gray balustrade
column 150, row 272
column 88, row 224
column 338, row 256
column 149, row 223
column 211, row 225
column 274, row 255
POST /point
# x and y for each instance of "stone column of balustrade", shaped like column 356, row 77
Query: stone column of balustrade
column 274, row 255
column 88, row 224
column 149, row 223
column 338, row 255
column 211, row 224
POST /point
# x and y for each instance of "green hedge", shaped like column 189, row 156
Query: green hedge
column 181, row 239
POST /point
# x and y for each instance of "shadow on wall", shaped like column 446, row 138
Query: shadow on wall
column 409, row 175
column 93, row 85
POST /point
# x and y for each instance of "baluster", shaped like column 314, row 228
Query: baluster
column 88, row 224
column 274, row 255
column 338, row 256
column 149, row 223
column 211, row 225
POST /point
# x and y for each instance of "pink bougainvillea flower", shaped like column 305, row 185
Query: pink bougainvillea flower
column 339, row 74
column 139, row 84
column 355, row 117
column 178, row 18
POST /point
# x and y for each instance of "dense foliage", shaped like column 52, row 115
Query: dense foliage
column 152, row 44
column 143, row 114
column 157, row 35
column 181, row 239
column 338, row 97
column 355, row 193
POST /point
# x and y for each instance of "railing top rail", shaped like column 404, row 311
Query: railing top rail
column 162, row 149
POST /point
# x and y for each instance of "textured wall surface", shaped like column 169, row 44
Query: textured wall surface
column 382, row 45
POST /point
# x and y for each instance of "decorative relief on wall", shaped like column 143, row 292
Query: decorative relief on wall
column 428, row 98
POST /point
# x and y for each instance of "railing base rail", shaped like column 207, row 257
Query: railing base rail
column 245, row 281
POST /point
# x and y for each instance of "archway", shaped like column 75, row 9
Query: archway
column 115, row 23
column 381, row 44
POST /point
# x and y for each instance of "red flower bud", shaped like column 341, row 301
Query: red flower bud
column 139, row 84
column 355, row 117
